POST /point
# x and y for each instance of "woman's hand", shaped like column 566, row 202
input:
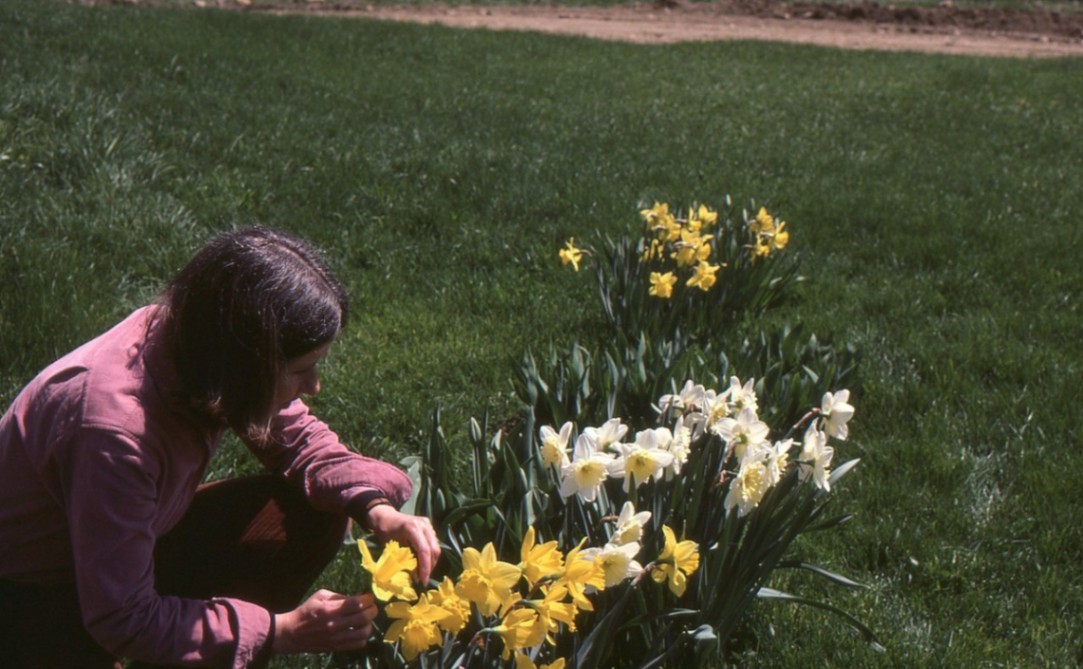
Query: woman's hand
column 388, row 523
column 325, row 622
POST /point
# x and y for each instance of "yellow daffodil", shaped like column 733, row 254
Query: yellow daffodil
column 391, row 573
column 781, row 237
column 415, row 625
column 764, row 223
column 571, row 254
column 524, row 662
column 704, row 277
column 762, row 247
column 670, row 230
column 580, row 572
column 538, row 562
column 693, row 247
column 457, row 608
column 705, row 216
column 520, row 628
column 658, row 218
column 653, row 252
column 662, row 284
column 485, row 580
column 677, row 561
column 554, row 609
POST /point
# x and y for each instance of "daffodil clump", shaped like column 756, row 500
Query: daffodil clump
column 755, row 463
column 686, row 251
column 524, row 604
column 635, row 540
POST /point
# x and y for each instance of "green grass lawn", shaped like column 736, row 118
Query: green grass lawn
column 936, row 203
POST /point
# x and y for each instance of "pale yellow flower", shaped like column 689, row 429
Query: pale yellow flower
column 641, row 461
column 616, row 562
column 554, row 445
column 391, row 573
column 587, row 471
column 630, row 525
column 677, row 561
column 748, row 487
column 571, row 254
column 485, row 580
column 662, row 284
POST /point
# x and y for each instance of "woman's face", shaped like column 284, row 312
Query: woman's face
column 300, row 376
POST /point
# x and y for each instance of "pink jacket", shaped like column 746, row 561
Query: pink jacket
column 95, row 464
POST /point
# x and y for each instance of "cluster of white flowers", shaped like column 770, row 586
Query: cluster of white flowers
column 617, row 558
column 599, row 453
column 731, row 416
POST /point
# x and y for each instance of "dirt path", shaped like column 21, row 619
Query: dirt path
column 943, row 29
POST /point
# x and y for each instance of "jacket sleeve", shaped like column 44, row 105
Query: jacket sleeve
column 309, row 454
column 111, row 493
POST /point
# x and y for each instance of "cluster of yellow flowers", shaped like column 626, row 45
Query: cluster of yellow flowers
column 688, row 242
column 525, row 603
column 768, row 236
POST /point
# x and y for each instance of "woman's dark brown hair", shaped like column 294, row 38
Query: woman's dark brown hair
column 245, row 304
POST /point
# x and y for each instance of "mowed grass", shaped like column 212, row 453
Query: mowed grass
column 935, row 201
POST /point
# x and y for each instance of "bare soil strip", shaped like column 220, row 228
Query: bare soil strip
column 944, row 29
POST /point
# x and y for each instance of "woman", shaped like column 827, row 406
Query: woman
column 109, row 546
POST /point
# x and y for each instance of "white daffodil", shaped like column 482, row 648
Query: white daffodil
column 836, row 412
column 748, row 488
column 586, row 472
column 679, row 446
column 716, row 408
column 777, row 457
column 608, row 434
column 617, row 562
column 743, row 432
column 554, row 445
column 816, row 457
column 643, row 460
column 743, row 397
column 688, row 398
column 630, row 525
